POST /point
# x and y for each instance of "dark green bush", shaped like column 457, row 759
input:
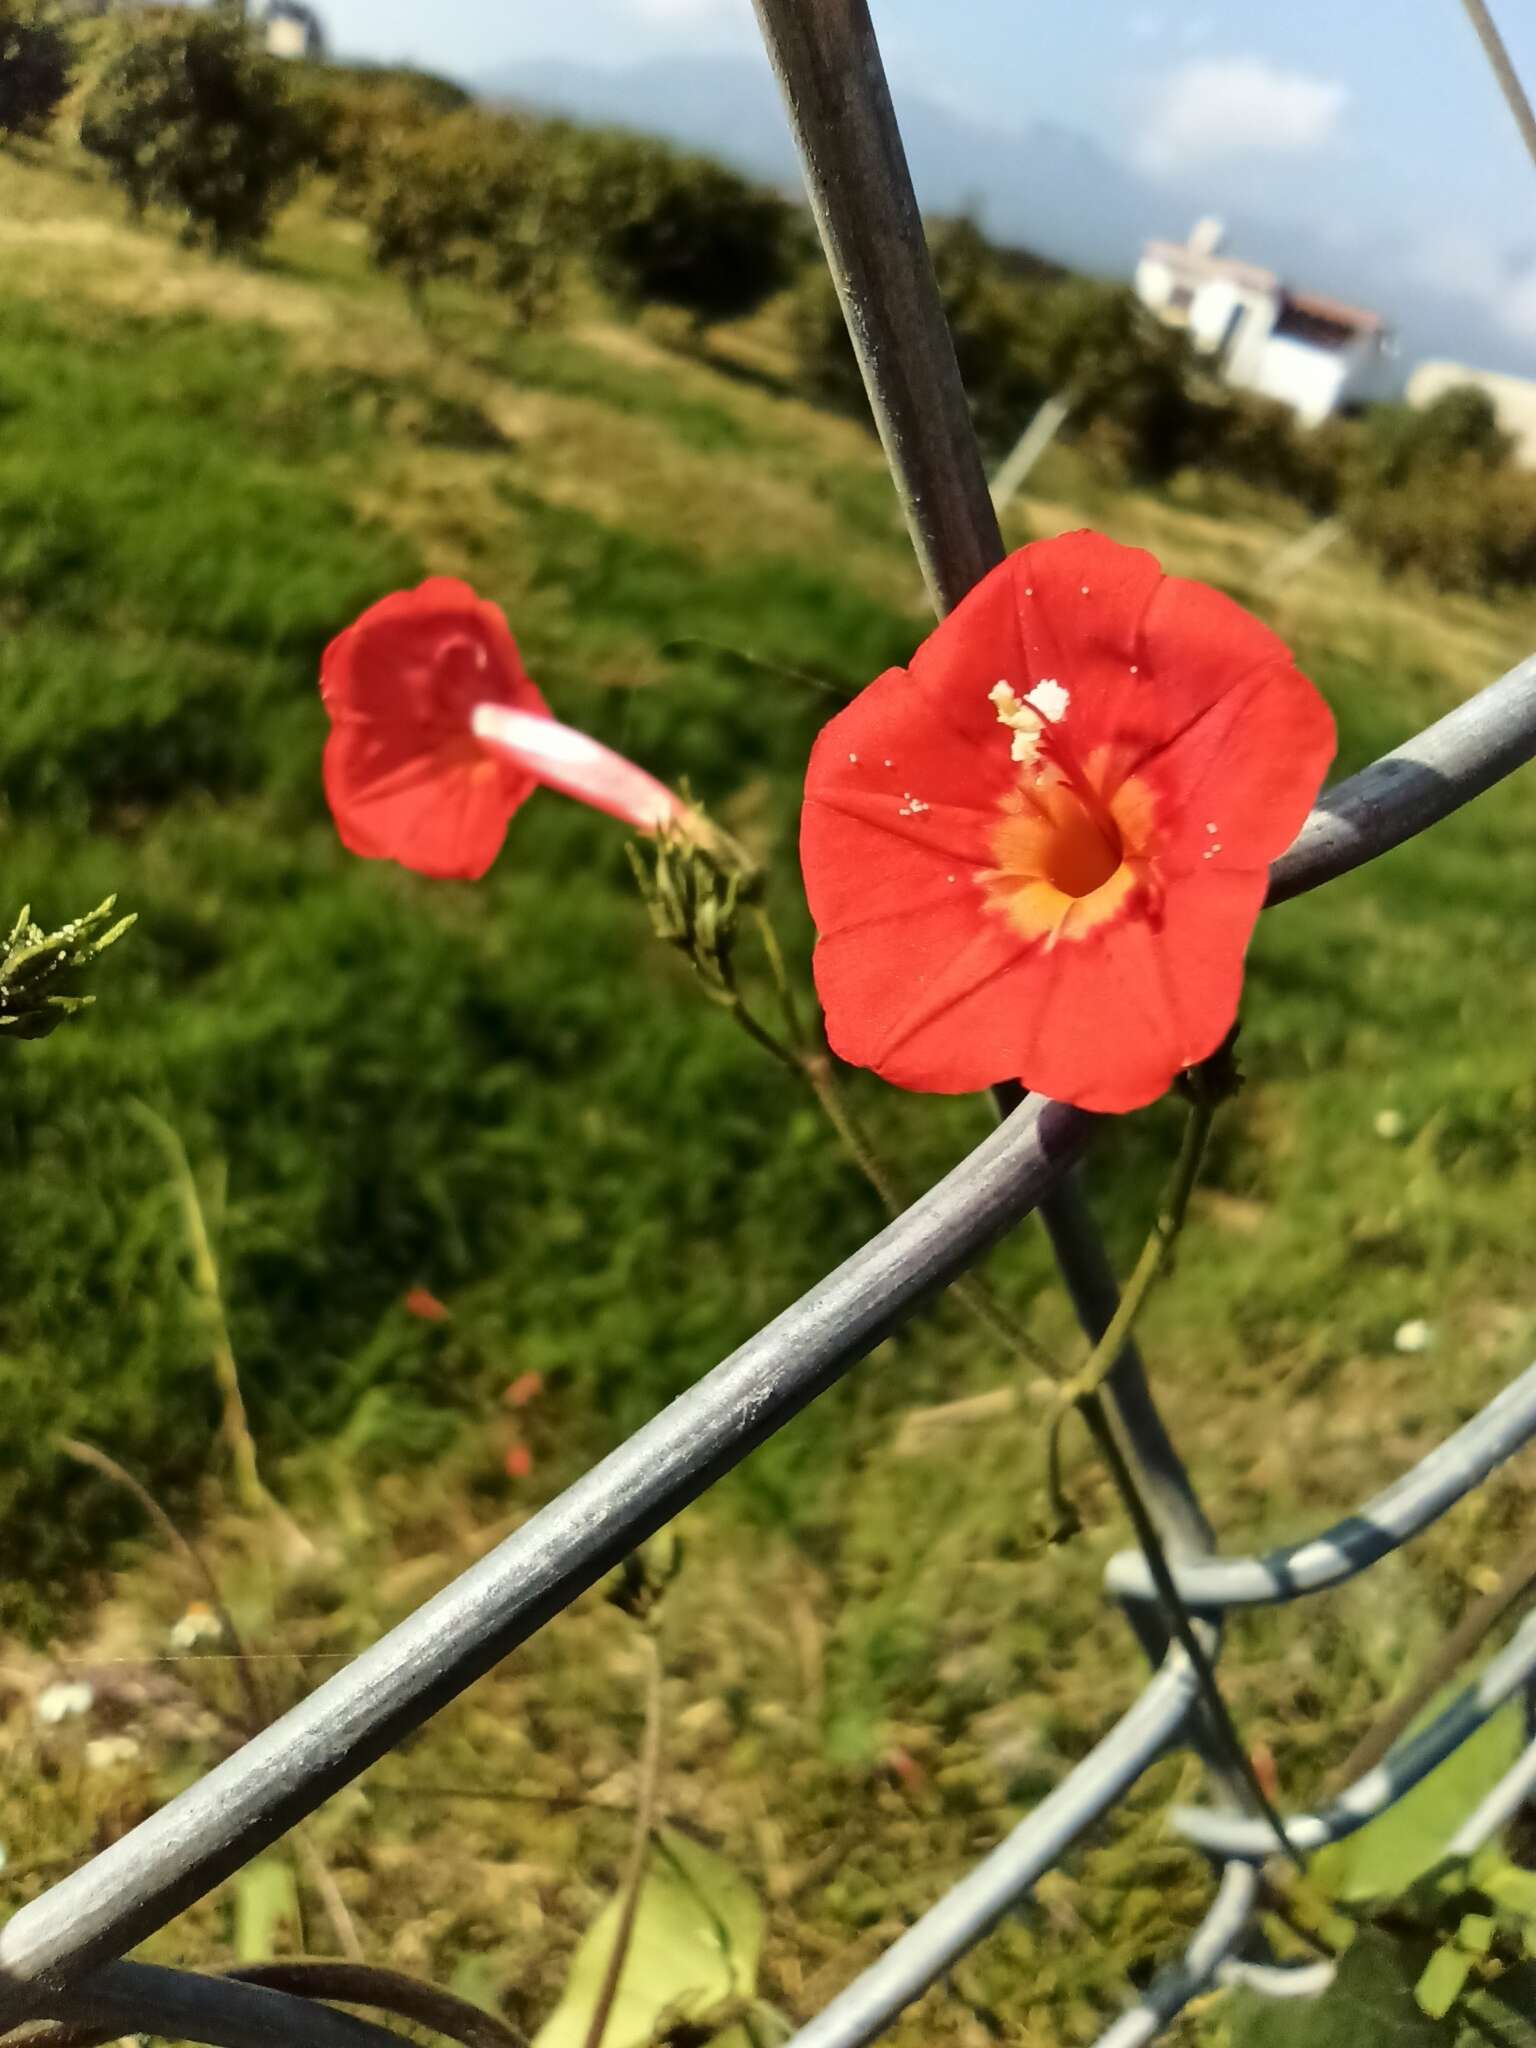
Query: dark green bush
column 683, row 231
column 1458, row 523
column 996, row 316
column 190, row 114
column 471, row 194
column 34, row 69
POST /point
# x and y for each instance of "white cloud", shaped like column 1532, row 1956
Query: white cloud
column 1214, row 107
column 1475, row 267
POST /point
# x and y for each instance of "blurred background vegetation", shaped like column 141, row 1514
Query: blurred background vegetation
column 275, row 340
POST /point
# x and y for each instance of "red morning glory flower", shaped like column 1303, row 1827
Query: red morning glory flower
column 1039, row 852
column 437, row 736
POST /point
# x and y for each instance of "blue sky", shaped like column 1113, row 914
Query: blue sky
column 1370, row 122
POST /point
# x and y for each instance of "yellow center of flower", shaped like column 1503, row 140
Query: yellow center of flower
column 1070, row 849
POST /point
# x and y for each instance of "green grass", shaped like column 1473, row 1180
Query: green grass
column 507, row 1094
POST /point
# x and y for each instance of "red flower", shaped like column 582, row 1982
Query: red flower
column 518, row 1461
column 425, row 1306
column 437, row 736
column 1039, row 853
column 525, row 1388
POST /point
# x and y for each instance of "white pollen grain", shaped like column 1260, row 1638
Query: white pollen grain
column 949, row 878
column 1210, row 828
column 1217, row 847
column 853, row 757
column 890, row 764
column 1029, row 590
column 1134, row 669
column 1085, row 590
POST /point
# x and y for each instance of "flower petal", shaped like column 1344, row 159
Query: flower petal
column 443, row 815
column 404, row 776
column 577, row 766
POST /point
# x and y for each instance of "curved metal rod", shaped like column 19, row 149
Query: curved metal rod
column 1499, row 1806
column 1235, row 1835
column 182, row 1851
column 1389, row 1519
column 180, row 2005
column 1276, row 1980
column 1218, row 1934
column 969, row 1909
column 1414, row 786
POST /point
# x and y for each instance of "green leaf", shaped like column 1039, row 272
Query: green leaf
column 1475, row 1934
column 478, row 1980
column 1390, row 1854
column 1370, row 2004
column 266, row 1909
column 1442, row 1981
column 693, row 1954
column 1501, row 2014
column 1507, row 1885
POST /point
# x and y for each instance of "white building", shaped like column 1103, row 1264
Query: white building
column 292, row 30
column 1311, row 353
column 1514, row 399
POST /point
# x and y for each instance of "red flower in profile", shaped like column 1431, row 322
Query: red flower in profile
column 1039, row 853
column 437, row 736
column 425, row 1306
column 518, row 1461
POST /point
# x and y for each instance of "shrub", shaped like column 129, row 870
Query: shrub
column 1400, row 442
column 994, row 315
column 191, row 115
column 683, row 231
column 34, row 69
column 472, row 195
column 1127, row 377
column 356, row 114
column 1460, row 524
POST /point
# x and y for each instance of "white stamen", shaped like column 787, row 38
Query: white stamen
column 1049, row 699
column 1026, row 745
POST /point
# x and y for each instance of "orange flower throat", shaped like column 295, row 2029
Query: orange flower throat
column 1072, row 845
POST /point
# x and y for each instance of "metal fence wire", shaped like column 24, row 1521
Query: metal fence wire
column 59, row 1956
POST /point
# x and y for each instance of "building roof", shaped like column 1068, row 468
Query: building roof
column 1333, row 313
column 1194, row 263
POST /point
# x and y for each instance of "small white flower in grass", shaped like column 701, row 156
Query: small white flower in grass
column 106, row 1752
column 198, row 1625
column 57, row 1702
column 1414, row 1336
column 1389, row 1125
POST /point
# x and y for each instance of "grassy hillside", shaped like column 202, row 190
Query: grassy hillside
column 506, row 1094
